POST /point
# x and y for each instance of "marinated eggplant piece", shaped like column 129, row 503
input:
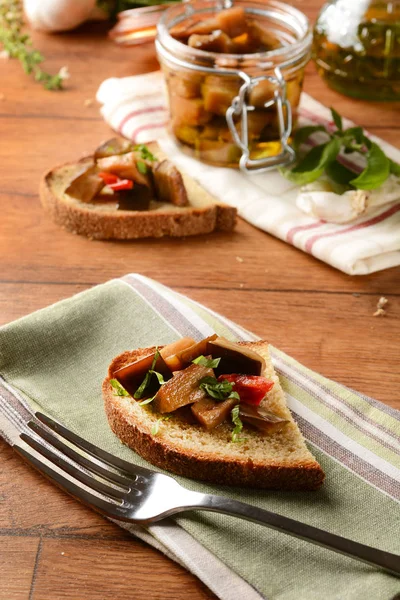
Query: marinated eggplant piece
column 171, row 352
column 169, row 184
column 217, row 41
column 257, row 121
column 113, row 147
column 240, row 34
column 138, row 198
column 196, row 349
column 185, row 134
column 218, row 94
column 265, row 39
column 131, row 376
column 235, row 358
column 210, row 413
column 127, row 166
column 262, row 93
column 232, row 21
column 187, row 111
column 182, row 389
column 86, row 186
column 218, row 152
column 187, row 87
column 260, row 418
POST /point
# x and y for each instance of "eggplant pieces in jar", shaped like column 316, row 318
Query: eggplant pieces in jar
column 198, row 105
column 199, row 101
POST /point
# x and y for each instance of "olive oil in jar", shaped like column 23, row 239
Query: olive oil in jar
column 357, row 48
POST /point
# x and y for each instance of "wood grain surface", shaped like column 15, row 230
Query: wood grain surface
column 51, row 547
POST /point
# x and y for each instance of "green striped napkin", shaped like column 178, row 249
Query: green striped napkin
column 56, row 359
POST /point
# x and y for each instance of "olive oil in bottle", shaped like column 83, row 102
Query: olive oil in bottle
column 357, row 48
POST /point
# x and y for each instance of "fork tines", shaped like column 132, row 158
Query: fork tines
column 108, row 478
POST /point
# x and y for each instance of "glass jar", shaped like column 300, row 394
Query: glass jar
column 357, row 48
column 235, row 110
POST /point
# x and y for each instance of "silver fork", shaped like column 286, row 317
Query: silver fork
column 121, row 490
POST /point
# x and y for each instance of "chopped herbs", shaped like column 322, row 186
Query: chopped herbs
column 146, row 381
column 113, row 7
column 147, row 401
column 156, row 427
column 118, row 389
column 327, row 157
column 211, row 363
column 145, row 153
column 219, row 390
column 19, row 45
column 142, row 167
column 238, row 425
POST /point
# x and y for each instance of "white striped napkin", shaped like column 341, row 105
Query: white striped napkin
column 135, row 107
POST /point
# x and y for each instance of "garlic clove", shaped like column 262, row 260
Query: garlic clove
column 60, row 15
column 331, row 207
column 321, row 200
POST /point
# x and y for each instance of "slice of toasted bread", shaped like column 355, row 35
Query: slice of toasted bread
column 101, row 220
column 279, row 460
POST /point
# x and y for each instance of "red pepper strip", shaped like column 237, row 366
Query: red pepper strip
column 251, row 388
column 122, row 184
column 108, row 177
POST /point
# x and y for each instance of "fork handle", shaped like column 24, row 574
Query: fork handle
column 372, row 556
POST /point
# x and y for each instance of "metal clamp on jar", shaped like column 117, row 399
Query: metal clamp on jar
column 234, row 109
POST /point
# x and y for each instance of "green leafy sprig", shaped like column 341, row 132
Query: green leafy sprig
column 238, row 425
column 210, row 363
column 156, row 427
column 17, row 44
column 147, row 379
column 113, row 7
column 119, row 390
column 219, row 390
column 327, row 157
column 145, row 155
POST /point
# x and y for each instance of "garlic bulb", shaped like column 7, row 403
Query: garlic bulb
column 58, row 15
column 320, row 200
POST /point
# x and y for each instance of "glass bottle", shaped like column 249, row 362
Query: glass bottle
column 357, row 47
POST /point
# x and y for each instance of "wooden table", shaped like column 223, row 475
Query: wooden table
column 50, row 546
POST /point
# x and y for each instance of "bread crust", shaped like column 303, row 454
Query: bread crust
column 195, row 463
column 112, row 224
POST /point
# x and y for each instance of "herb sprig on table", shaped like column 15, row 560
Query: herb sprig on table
column 113, row 7
column 327, row 157
column 17, row 44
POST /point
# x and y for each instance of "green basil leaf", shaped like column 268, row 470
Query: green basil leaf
column 303, row 134
column 376, row 171
column 142, row 167
column 394, row 168
column 147, row 378
column 147, row 401
column 155, row 428
column 160, row 378
column 119, row 390
column 367, row 142
column 145, row 152
column 337, row 119
column 339, row 173
column 211, row 363
column 318, row 160
column 238, row 425
column 219, row 390
column 356, row 134
column 314, row 163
